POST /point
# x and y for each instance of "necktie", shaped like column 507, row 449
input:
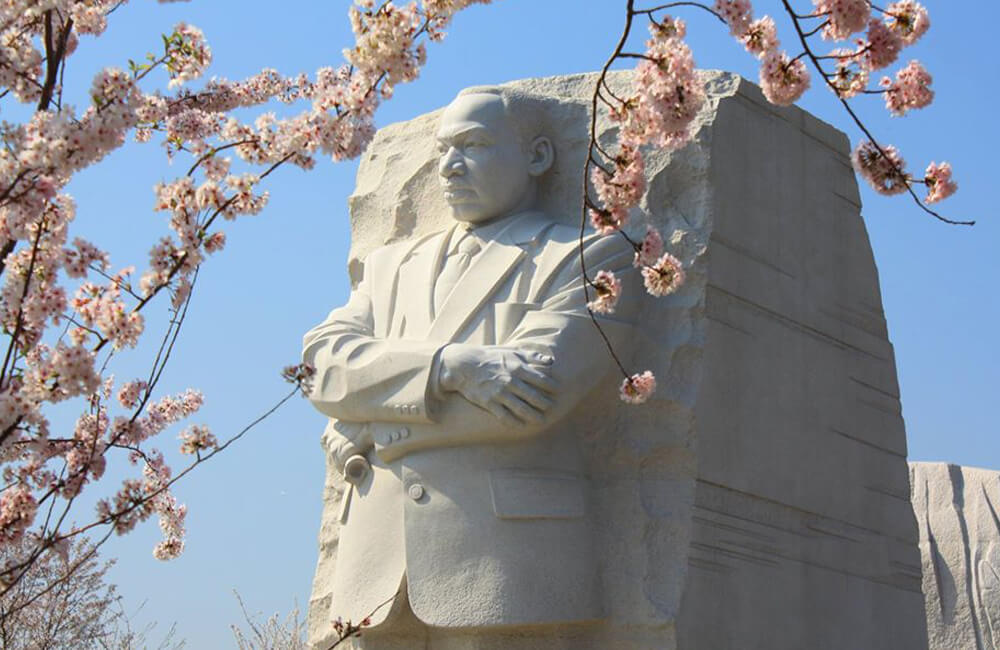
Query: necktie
column 454, row 267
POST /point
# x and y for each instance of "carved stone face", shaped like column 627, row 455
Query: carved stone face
column 486, row 170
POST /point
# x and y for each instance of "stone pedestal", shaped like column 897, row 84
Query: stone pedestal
column 761, row 500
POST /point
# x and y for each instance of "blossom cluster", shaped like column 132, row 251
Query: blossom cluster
column 301, row 375
column 876, row 38
column 783, row 79
column 667, row 98
column 911, row 89
column 661, row 111
column 608, row 288
column 886, row 33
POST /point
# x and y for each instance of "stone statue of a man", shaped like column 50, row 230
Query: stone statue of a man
column 457, row 380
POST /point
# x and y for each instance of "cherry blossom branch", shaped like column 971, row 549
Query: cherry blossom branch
column 110, row 519
column 163, row 355
column 55, row 52
column 651, row 11
column 346, row 629
column 585, row 189
column 803, row 38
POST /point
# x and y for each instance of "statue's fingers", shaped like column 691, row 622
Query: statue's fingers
column 537, row 377
column 529, row 394
column 502, row 414
column 535, row 358
column 519, row 407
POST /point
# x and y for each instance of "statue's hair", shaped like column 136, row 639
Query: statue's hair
column 526, row 112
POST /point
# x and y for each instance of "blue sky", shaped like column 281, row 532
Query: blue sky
column 254, row 510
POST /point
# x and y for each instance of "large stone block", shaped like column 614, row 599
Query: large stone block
column 802, row 532
column 761, row 500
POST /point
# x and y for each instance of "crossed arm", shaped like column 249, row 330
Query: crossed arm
column 471, row 393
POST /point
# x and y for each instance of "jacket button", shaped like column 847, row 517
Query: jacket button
column 395, row 435
column 404, row 432
column 416, row 491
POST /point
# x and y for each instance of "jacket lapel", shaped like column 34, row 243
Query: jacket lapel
column 488, row 271
column 414, row 298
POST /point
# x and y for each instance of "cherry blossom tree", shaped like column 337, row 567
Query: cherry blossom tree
column 66, row 311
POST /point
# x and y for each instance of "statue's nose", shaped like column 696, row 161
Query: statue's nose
column 451, row 164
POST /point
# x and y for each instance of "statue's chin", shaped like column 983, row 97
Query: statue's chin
column 468, row 213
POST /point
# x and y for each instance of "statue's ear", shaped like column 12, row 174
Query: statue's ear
column 543, row 154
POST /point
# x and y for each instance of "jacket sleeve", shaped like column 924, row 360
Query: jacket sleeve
column 361, row 377
column 559, row 325
column 562, row 327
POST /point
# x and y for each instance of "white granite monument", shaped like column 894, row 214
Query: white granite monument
column 498, row 488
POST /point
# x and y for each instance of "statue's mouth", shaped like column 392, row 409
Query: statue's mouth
column 459, row 194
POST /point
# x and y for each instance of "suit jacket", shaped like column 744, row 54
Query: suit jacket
column 489, row 525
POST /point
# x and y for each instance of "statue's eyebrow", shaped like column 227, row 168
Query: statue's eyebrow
column 472, row 129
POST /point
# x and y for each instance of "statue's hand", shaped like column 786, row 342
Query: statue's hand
column 515, row 386
column 345, row 439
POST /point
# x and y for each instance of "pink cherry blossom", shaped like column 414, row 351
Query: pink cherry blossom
column 650, row 249
column 129, row 393
column 621, row 190
column 77, row 260
column 736, row 13
column 939, row 183
column 668, row 91
column 910, row 90
column 638, row 388
column 908, row 19
column 187, row 54
column 783, row 80
column 88, row 19
column 664, row 277
column 608, row 289
column 215, row 242
column 881, row 49
column 761, row 37
column 844, row 17
column 850, row 77
column 197, row 438
column 605, row 222
column 301, row 375
column 885, row 173
column 17, row 512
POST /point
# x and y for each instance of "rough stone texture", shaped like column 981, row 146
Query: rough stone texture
column 788, row 524
column 958, row 513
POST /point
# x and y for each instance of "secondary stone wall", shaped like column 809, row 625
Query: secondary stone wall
column 958, row 513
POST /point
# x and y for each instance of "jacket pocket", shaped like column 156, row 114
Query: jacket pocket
column 537, row 494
